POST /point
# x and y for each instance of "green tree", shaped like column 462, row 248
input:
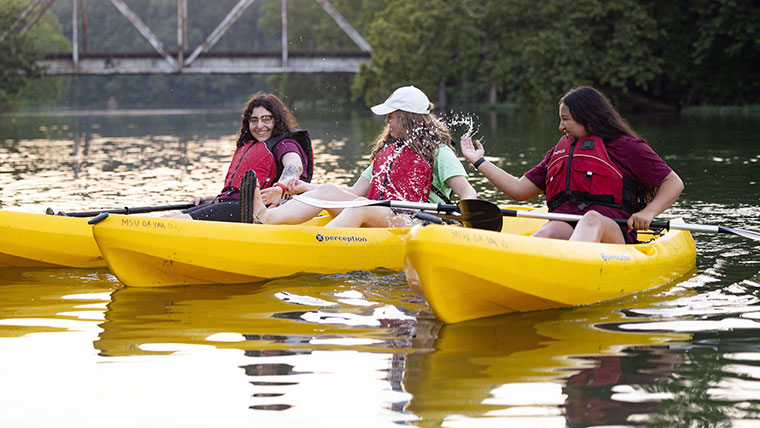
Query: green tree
column 649, row 52
column 19, row 72
column 710, row 50
column 539, row 51
column 429, row 43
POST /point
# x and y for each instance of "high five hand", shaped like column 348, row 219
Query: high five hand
column 471, row 152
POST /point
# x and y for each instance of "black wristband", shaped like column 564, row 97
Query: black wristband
column 478, row 162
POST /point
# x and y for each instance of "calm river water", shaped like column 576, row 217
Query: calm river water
column 79, row 349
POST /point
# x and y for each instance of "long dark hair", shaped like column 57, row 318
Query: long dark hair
column 283, row 119
column 595, row 112
column 422, row 132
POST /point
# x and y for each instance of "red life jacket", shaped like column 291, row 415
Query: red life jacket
column 400, row 174
column 581, row 171
column 257, row 155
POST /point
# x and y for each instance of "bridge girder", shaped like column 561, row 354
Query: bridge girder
column 200, row 60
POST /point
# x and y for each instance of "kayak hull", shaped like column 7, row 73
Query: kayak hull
column 156, row 252
column 39, row 240
column 466, row 274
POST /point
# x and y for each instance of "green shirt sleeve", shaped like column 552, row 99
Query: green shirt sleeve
column 445, row 166
column 368, row 172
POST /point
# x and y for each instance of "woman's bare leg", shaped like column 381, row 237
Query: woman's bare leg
column 555, row 229
column 369, row 217
column 295, row 212
column 594, row 227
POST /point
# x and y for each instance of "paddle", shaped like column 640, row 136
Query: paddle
column 125, row 210
column 369, row 202
column 476, row 210
column 477, row 204
column 433, row 218
column 486, row 216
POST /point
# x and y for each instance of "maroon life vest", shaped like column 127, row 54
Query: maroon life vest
column 400, row 174
column 257, row 155
column 580, row 170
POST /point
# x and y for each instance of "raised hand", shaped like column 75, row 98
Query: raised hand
column 471, row 152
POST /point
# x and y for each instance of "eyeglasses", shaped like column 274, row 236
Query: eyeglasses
column 266, row 119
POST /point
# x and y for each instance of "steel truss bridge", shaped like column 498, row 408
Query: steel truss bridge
column 182, row 60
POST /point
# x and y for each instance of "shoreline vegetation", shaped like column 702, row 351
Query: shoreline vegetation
column 57, row 110
column 745, row 110
column 489, row 55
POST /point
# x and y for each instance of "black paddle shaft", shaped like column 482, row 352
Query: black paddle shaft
column 481, row 214
column 125, row 210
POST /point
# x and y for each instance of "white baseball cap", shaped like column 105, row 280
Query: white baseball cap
column 406, row 98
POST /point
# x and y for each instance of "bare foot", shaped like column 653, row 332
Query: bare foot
column 259, row 207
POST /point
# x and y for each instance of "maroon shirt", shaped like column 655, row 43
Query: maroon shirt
column 632, row 156
column 290, row 145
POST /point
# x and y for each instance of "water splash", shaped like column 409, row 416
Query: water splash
column 423, row 133
column 456, row 120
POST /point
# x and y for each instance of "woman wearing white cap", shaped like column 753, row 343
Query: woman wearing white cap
column 413, row 160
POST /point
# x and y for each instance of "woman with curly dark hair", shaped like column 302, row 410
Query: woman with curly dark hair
column 269, row 143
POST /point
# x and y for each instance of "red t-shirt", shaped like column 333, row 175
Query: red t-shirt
column 632, row 156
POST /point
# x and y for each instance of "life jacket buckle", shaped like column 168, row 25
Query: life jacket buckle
column 588, row 175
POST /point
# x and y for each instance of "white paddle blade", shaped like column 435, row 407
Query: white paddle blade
column 744, row 233
column 321, row 203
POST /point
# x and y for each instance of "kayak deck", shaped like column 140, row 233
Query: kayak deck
column 155, row 252
column 39, row 240
column 467, row 273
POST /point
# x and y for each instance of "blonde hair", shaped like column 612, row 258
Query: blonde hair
column 422, row 133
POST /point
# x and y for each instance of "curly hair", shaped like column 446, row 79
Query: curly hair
column 283, row 119
column 422, row 132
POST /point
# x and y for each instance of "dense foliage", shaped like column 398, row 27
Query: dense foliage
column 18, row 54
column 644, row 53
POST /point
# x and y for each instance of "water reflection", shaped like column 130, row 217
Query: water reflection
column 290, row 354
column 309, row 340
column 313, row 349
column 621, row 390
column 523, row 365
column 53, row 300
column 82, row 162
column 305, row 311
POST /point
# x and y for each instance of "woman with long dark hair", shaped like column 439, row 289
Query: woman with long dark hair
column 599, row 169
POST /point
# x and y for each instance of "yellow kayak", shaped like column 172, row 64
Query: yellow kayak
column 467, row 273
column 154, row 252
column 39, row 240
